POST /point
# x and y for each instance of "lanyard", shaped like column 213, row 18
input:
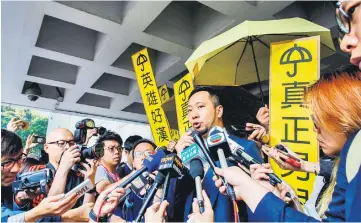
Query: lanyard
column 113, row 176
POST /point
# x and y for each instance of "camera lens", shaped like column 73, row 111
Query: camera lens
column 98, row 151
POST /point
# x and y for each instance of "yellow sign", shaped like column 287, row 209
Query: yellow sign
column 182, row 90
column 295, row 65
column 164, row 94
column 174, row 134
column 150, row 96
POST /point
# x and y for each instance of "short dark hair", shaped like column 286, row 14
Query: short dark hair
column 109, row 135
column 11, row 144
column 143, row 141
column 213, row 93
column 129, row 142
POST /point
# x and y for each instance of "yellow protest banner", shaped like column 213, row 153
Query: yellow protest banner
column 150, row 96
column 164, row 94
column 294, row 66
column 182, row 90
column 174, row 134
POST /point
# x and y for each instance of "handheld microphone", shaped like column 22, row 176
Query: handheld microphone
column 170, row 166
column 219, row 148
column 150, row 164
column 192, row 152
column 158, row 181
column 197, row 173
column 199, row 141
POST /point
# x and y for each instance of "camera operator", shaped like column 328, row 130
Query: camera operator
column 106, row 172
column 11, row 159
column 63, row 154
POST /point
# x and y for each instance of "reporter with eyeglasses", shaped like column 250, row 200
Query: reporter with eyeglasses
column 63, row 155
column 129, row 209
column 106, row 171
column 12, row 158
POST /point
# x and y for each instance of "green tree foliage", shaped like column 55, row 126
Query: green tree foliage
column 38, row 124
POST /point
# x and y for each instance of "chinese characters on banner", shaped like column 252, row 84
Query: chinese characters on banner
column 295, row 65
column 182, row 90
column 163, row 93
column 151, row 99
column 174, row 134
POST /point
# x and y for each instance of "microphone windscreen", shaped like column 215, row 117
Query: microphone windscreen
column 215, row 130
column 152, row 162
column 196, row 168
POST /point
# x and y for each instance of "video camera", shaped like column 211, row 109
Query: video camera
column 33, row 181
column 81, row 128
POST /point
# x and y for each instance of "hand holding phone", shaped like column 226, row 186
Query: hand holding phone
column 39, row 139
column 294, row 161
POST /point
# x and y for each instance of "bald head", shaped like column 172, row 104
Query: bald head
column 59, row 134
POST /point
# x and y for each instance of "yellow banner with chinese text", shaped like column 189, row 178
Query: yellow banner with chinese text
column 151, row 99
column 174, row 134
column 182, row 90
column 294, row 66
column 164, row 94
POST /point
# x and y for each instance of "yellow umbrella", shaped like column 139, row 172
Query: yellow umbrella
column 242, row 54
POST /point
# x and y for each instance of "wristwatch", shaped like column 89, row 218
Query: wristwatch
column 94, row 217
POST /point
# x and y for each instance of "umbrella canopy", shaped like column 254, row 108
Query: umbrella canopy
column 242, row 54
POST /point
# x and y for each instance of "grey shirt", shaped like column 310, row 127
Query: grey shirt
column 102, row 174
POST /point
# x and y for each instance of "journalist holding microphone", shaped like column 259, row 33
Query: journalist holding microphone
column 345, row 86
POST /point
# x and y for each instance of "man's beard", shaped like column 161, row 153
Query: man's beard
column 204, row 132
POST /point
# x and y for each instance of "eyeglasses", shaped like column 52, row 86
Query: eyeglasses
column 140, row 154
column 343, row 19
column 11, row 162
column 62, row 143
column 112, row 149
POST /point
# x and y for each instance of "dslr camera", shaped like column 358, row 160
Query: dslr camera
column 33, row 181
column 81, row 128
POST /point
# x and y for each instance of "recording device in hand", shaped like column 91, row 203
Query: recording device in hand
column 274, row 179
column 81, row 127
column 33, row 181
column 81, row 189
column 39, row 139
column 291, row 159
column 94, row 152
column 197, row 173
column 158, row 181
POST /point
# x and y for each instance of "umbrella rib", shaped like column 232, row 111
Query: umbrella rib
column 240, row 58
column 224, row 49
column 259, row 79
column 262, row 42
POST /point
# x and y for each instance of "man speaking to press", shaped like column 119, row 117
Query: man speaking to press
column 205, row 112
